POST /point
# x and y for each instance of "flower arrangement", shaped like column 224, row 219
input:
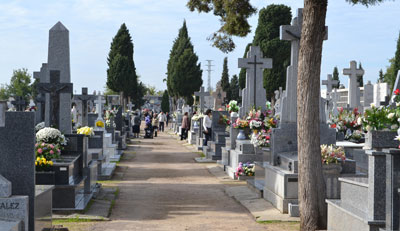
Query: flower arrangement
column 241, row 124
column 233, row 106
column 197, row 117
column 88, row 131
column 51, row 136
column 224, row 120
column 346, row 120
column 111, row 113
column 100, row 124
column 381, row 118
column 40, row 126
column 332, row 154
column 108, row 123
column 43, row 165
column 246, row 169
column 261, row 139
column 47, row 151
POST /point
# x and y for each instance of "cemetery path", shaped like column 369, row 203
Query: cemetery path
column 164, row 189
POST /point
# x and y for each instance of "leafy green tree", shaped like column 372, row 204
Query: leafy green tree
column 267, row 38
column 225, row 78
column 335, row 76
column 380, row 79
column 390, row 74
column 165, row 102
column 242, row 74
column 151, row 90
column 397, row 57
column 360, row 79
column 4, row 94
column 313, row 209
column 183, row 71
column 20, row 84
column 121, row 72
column 233, row 16
column 234, row 89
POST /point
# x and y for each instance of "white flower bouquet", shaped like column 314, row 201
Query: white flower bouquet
column 50, row 136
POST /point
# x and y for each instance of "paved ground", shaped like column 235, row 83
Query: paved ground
column 162, row 188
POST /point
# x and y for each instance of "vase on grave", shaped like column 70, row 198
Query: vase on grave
column 331, row 169
column 241, row 135
column 234, row 114
column 339, row 136
column 380, row 139
column 45, row 178
column 331, row 173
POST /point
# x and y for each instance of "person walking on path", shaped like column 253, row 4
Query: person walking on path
column 207, row 123
column 185, row 126
column 136, row 125
column 155, row 124
column 167, row 116
column 161, row 120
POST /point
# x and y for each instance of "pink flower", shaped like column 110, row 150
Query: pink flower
column 40, row 151
column 36, row 145
column 51, row 146
column 43, row 144
column 51, row 152
column 58, row 150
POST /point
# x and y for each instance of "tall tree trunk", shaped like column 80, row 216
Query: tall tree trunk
column 311, row 182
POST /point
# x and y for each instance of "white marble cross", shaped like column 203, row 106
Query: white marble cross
column 335, row 98
column 99, row 105
column 292, row 33
column 354, row 90
column 329, row 84
column 255, row 65
column 201, row 95
column 3, row 109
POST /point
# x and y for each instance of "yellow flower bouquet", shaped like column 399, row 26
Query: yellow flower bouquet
column 88, row 131
column 100, row 124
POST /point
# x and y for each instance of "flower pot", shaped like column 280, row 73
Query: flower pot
column 331, row 169
column 380, row 140
column 241, row 135
column 234, row 114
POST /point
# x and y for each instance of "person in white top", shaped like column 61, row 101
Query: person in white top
column 207, row 123
column 162, row 118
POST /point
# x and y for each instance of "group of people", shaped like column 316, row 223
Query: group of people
column 207, row 124
column 155, row 122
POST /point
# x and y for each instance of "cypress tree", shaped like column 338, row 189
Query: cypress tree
column 121, row 72
column 397, row 58
column 225, row 78
column 183, row 70
column 360, row 78
column 242, row 74
column 335, row 75
column 267, row 37
column 380, row 79
column 165, row 102
column 234, row 89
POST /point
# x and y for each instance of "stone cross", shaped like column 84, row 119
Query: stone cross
column 99, row 105
column 354, row 90
column 3, row 109
column 255, row 65
column 19, row 103
column 329, row 84
column 292, row 33
column 130, row 105
column 219, row 96
column 54, row 88
column 335, row 97
column 84, row 97
column 201, row 95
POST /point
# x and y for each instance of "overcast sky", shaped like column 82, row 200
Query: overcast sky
column 355, row 33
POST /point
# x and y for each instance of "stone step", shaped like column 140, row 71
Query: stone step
column 354, row 192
